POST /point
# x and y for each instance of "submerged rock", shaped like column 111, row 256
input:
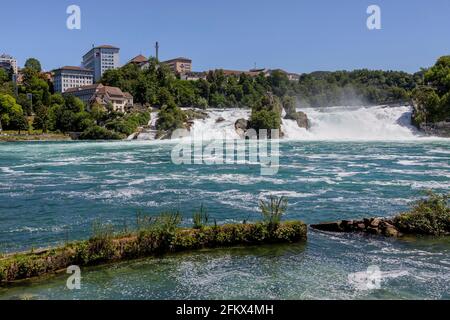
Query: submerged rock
column 374, row 226
column 329, row 226
column 220, row 119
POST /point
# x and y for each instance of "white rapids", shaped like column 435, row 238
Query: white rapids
column 377, row 123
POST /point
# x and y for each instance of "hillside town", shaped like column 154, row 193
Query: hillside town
column 83, row 81
column 102, row 99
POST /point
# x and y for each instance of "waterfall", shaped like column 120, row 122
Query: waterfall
column 354, row 123
column 219, row 123
column 336, row 123
column 379, row 123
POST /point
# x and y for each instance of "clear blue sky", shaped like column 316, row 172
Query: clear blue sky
column 296, row 35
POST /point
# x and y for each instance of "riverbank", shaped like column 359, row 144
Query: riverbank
column 103, row 248
column 10, row 137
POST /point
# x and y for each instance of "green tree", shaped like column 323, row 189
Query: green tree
column 432, row 102
column 427, row 105
column 4, row 76
column 265, row 119
column 279, row 82
column 33, row 64
column 98, row 112
column 18, row 121
column 438, row 76
column 289, row 105
column 9, row 110
column 42, row 119
column 37, row 86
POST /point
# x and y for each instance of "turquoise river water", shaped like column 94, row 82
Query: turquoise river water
column 53, row 192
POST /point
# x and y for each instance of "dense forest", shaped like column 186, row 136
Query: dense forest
column 359, row 87
column 156, row 87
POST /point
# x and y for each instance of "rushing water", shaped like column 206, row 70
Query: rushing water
column 53, row 192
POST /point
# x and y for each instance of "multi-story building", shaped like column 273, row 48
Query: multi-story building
column 179, row 65
column 6, row 60
column 103, row 95
column 71, row 77
column 100, row 59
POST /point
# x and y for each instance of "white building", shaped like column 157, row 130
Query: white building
column 100, row 59
column 7, row 59
column 71, row 77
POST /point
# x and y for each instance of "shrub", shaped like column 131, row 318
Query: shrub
column 273, row 210
column 169, row 221
column 170, row 118
column 100, row 133
column 265, row 119
column 129, row 123
column 430, row 216
column 200, row 218
column 100, row 246
column 144, row 222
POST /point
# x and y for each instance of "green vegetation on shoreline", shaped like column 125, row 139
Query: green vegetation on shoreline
column 154, row 236
column 430, row 216
column 12, row 137
column 105, row 248
column 427, row 217
column 432, row 100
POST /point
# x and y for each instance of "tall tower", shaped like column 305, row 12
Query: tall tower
column 157, row 50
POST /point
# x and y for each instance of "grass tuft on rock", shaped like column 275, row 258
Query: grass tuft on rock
column 200, row 218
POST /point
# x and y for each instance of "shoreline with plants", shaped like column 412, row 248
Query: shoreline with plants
column 155, row 236
column 427, row 217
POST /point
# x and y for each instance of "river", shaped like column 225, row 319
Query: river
column 353, row 163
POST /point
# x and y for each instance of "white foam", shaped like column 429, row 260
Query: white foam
column 355, row 123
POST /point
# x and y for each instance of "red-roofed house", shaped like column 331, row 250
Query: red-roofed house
column 103, row 95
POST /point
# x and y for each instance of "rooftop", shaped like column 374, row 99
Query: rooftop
column 138, row 59
column 73, row 68
column 6, row 56
column 104, row 46
column 179, row 59
column 102, row 90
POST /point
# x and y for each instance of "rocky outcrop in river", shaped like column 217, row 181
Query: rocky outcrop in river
column 301, row 118
column 439, row 129
column 380, row 226
column 241, row 126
